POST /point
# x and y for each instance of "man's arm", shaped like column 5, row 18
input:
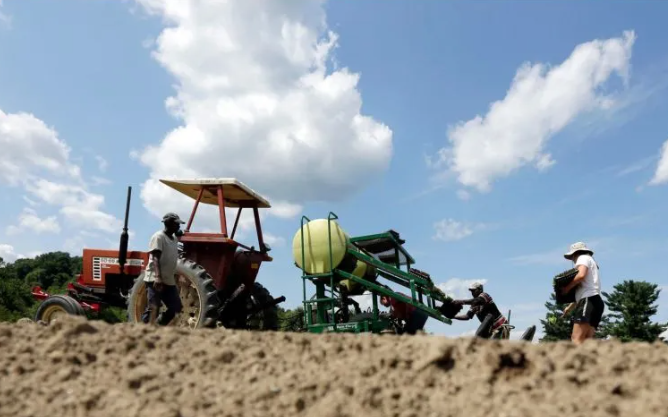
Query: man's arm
column 582, row 273
column 155, row 258
column 466, row 316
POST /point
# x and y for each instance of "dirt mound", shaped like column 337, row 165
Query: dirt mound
column 79, row 368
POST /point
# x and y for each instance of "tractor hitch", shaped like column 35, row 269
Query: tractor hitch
column 266, row 305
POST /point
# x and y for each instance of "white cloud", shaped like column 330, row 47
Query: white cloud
column 636, row 166
column 33, row 151
column 540, row 102
column 256, row 102
column 463, row 195
column 30, row 147
column 102, row 163
column 274, row 241
column 30, row 221
column 459, row 288
column 450, row 230
column 7, row 253
column 5, row 20
column 556, row 256
column 661, row 173
column 80, row 208
column 99, row 180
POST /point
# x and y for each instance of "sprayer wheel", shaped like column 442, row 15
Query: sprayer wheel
column 198, row 296
column 57, row 306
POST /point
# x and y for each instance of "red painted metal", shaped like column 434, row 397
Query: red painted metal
column 217, row 253
column 38, row 293
column 98, row 263
column 192, row 214
column 214, row 252
column 221, row 209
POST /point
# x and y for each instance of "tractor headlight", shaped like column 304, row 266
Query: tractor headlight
column 267, row 248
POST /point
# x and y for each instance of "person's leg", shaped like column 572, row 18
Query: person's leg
column 580, row 333
column 153, row 304
column 596, row 314
column 416, row 322
column 586, row 318
column 170, row 296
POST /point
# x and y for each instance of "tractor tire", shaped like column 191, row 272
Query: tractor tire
column 198, row 296
column 58, row 305
column 529, row 334
column 269, row 316
column 483, row 330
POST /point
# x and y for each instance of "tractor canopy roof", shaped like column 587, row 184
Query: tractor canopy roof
column 236, row 193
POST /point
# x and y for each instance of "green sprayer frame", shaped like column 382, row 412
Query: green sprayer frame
column 421, row 286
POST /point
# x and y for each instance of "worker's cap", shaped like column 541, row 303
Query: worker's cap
column 172, row 217
column 577, row 247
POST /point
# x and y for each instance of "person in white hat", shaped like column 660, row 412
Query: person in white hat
column 589, row 305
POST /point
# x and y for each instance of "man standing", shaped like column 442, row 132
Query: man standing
column 160, row 273
column 589, row 305
column 482, row 304
column 413, row 317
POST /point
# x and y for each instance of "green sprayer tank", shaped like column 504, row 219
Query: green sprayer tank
column 316, row 253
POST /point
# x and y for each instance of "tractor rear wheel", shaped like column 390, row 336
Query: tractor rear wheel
column 57, row 306
column 198, row 296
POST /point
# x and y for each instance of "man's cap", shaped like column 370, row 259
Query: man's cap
column 172, row 217
column 577, row 247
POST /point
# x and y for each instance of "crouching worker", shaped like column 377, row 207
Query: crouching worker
column 482, row 304
column 413, row 317
column 160, row 274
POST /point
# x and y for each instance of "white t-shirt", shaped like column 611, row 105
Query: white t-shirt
column 591, row 284
column 169, row 255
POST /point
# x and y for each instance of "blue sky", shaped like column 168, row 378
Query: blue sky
column 573, row 149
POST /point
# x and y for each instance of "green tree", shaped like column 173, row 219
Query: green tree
column 632, row 305
column 52, row 271
column 555, row 325
column 291, row 320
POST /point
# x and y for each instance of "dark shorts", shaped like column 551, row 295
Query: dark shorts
column 589, row 310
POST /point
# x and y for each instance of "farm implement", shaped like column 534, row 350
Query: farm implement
column 216, row 275
column 341, row 267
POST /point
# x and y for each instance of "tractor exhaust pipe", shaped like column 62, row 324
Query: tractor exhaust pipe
column 123, row 250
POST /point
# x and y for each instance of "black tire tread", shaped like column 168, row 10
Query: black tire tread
column 68, row 303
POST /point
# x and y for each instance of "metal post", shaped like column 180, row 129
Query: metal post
column 221, row 207
column 236, row 222
column 192, row 214
column 258, row 226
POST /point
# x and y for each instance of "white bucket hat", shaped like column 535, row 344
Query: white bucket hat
column 577, row 247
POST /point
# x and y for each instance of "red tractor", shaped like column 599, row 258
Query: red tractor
column 216, row 274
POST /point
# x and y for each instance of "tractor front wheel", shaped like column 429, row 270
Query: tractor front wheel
column 198, row 296
column 57, row 306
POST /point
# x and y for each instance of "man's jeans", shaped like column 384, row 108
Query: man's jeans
column 416, row 321
column 169, row 296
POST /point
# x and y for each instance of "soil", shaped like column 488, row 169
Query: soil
column 84, row 368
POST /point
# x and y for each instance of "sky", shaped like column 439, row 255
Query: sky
column 490, row 135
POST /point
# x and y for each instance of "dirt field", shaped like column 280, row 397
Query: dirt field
column 93, row 369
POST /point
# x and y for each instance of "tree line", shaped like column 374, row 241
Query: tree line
column 628, row 317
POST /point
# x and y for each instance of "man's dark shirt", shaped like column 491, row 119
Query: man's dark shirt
column 483, row 305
